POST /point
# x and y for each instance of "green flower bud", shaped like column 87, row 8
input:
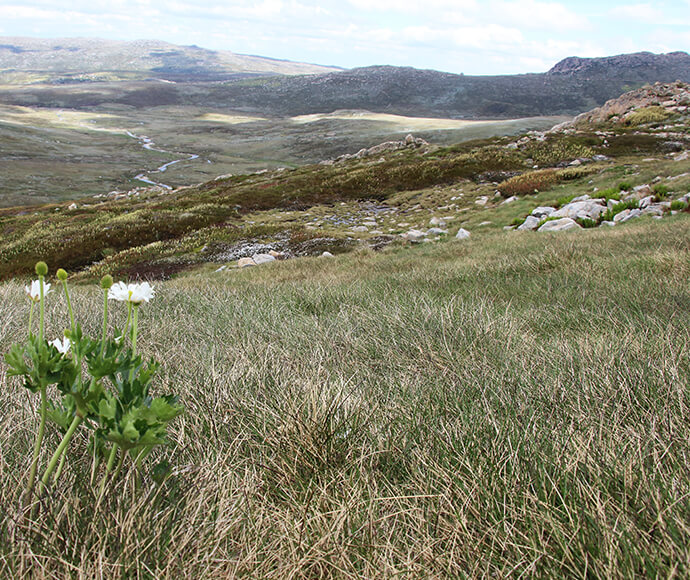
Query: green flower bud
column 41, row 268
column 62, row 275
column 106, row 281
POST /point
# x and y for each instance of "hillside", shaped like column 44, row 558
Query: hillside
column 388, row 194
column 81, row 60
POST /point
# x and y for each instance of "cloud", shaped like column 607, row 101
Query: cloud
column 542, row 15
column 638, row 12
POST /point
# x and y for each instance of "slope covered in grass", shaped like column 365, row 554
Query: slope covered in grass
column 513, row 405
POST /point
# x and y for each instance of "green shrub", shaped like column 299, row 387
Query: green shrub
column 561, row 201
column 678, row 205
column 610, row 193
column 586, row 222
column 660, row 192
column 608, row 215
column 647, row 115
column 624, row 186
column 530, row 182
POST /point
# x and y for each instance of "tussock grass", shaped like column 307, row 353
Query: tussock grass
column 509, row 406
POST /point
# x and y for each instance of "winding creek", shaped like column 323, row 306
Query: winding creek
column 147, row 143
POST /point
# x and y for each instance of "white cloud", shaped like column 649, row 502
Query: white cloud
column 638, row 12
column 544, row 15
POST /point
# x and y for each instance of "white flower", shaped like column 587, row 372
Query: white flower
column 34, row 292
column 134, row 293
column 63, row 346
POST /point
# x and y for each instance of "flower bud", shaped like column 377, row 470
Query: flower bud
column 106, row 281
column 41, row 268
column 62, row 275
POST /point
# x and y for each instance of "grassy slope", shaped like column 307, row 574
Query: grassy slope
column 510, row 405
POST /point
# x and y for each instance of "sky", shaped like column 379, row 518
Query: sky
column 459, row 36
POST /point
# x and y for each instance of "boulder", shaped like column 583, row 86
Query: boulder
column 436, row 232
column 511, row 199
column 634, row 213
column 559, row 225
column 327, row 255
column 621, row 215
column 462, row 234
column 590, row 209
column 483, row 200
column 646, row 201
column 244, row 262
column 530, row 223
column 543, row 211
column 263, row 258
column 607, row 223
column 414, row 236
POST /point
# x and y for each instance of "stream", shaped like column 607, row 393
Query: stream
column 147, row 143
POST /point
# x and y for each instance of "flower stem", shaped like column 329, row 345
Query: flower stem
column 37, row 445
column 59, row 469
column 31, row 315
column 108, row 467
column 69, row 306
column 135, row 318
column 61, row 449
column 105, row 321
column 42, row 311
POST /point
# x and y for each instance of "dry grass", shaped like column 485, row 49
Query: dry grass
column 515, row 406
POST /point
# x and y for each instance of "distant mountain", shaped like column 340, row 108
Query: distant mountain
column 90, row 59
column 574, row 85
column 82, row 73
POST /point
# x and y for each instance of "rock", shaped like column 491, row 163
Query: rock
column 360, row 229
column 590, row 209
column 684, row 156
column 276, row 254
column 511, row 199
column 611, row 203
column 327, row 255
column 263, row 258
column 509, row 228
column 560, row 225
column 487, row 223
column 437, row 221
column 600, row 158
column 414, row 236
column 607, row 223
column 575, row 163
column 634, row 213
column 584, row 197
column 646, row 201
column 72, row 206
column 530, row 223
column 482, row 200
column 654, row 209
column 642, row 191
column 462, row 234
column 543, row 211
column 621, row 215
column 222, row 268
column 436, row 232
column 244, row 262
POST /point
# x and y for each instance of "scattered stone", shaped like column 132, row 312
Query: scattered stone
column 276, row 254
column 462, row 234
column 360, row 229
column 487, row 223
column 244, row 262
column 589, row 209
column 511, row 199
column 530, row 223
column 621, row 215
column 437, row 221
column 414, row 236
column 222, row 268
column 327, row 255
column 559, row 225
column 482, row 200
column 634, row 213
column 72, row 206
column 436, row 232
column 263, row 258
column 646, row 201
column 543, row 211
column 608, row 223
